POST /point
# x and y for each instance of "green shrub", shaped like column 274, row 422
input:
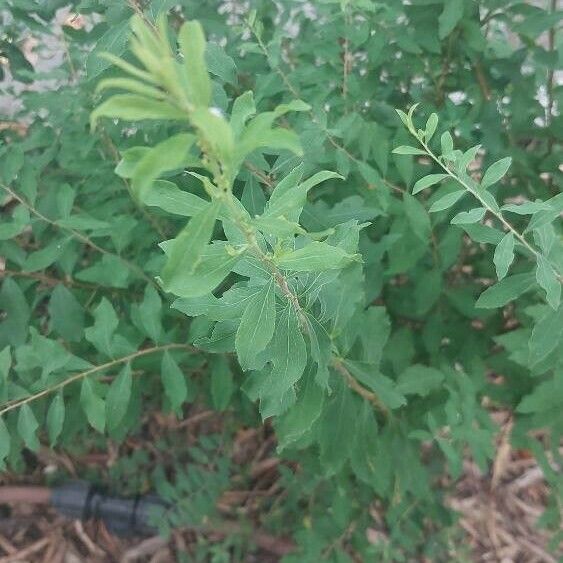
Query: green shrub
column 247, row 222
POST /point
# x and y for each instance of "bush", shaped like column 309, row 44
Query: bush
column 249, row 218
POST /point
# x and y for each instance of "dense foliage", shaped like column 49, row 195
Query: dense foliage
column 246, row 222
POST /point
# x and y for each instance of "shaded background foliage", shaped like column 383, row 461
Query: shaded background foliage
column 80, row 256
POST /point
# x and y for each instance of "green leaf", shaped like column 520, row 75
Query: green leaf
column 243, row 109
column 4, row 442
column 168, row 197
column 289, row 355
column 15, row 314
column 222, row 385
column 167, row 155
column 431, row 126
column 301, row 417
column 173, row 381
column 27, row 427
column 547, row 395
column 55, row 418
column 547, row 278
column 450, row 17
column 188, row 248
column 150, row 311
column 446, row 201
column 192, row 45
column 504, row 255
column 419, row 380
column 220, row 64
column 505, row 291
column 446, row 143
column 336, row 429
column 546, row 335
column 66, row 314
column 316, row 256
column 419, row 220
column 468, row 217
column 93, row 405
column 427, row 181
column 384, row 387
column 101, row 334
column 132, row 107
column 257, row 325
column 118, row 397
column 405, row 149
column 528, row 208
column 114, row 40
column 495, row 172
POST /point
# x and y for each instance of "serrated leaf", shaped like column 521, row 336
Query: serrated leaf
column 173, row 381
column 93, row 405
column 427, row 181
column 55, row 418
column 316, row 256
column 257, row 325
column 547, row 278
column 118, row 396
column 505, row 291
column 446, row 201
column 495, row 172
column 468, row 217
column 27, row 427
column 504, row 255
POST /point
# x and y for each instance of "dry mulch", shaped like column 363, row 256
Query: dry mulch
column 498, row 512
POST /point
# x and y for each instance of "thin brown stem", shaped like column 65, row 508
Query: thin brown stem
column 130, row 357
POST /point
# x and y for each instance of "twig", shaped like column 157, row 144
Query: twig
column 83, row 374
column 25, row 553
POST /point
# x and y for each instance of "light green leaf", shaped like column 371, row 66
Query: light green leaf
column 167, row 155
column 132, row 107
column 546, row 335
column 547, row 278
column 446, row 201
column 192, row 45
column 93, row 405
column 170, row 198
column 427, row 181
column 431, row 126
column 257, row 325
column 468, row 217
column 446, row 143
column 55, row 418
column 505, row 291
column 243, row 109
column 405, row 149
column 173, row 381
column 118, row 396
column 495, row 172
column 220, row 64
column 504, row 255
column 27, row 427
column 316, row 256
column 528, row 208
